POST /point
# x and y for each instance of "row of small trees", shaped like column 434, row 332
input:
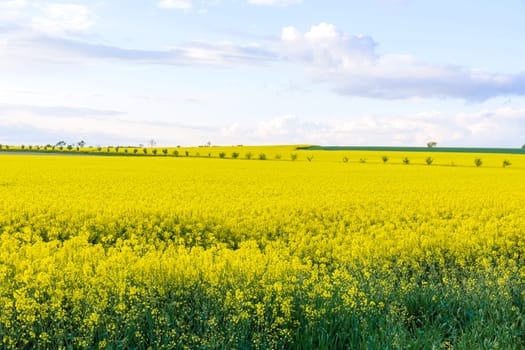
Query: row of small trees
column 429, row 160
column 260, row 156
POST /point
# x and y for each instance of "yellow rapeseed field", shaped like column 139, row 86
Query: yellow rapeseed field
column 345, row 251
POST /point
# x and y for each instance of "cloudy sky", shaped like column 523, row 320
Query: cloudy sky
column 331, row 72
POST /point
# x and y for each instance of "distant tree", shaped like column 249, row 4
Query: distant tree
column 248, row 155
column 431, row 144
column 135, row 151
column 117, row 149
column 235, row 155
column 176, row 153
column 145, row 150
column 154, row 151
column 152, row 143
column 70, row 147
column 262, row 156
column 60, row 143
column 222, row 155
column 81, row 143
column 165, row 151
column 23, row 147
column 208, row 143
column 187, row 153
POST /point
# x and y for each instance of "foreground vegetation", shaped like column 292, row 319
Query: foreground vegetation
column 188, row 252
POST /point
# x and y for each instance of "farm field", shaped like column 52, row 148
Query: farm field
column 345, row 251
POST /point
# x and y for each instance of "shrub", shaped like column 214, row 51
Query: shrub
column 154, row 151
column 406, row 161
column 248, row 155
column 362, row 160
column 175, row 153
column 345, row 159
column 235, row 155
column 278, row 156
column 478, row 162
column 506, row 163
column 385, row 159
column 293, row 157
column 262, row 156
column 165, row 151
column 145, row 150
column 222, row 155
column 429, row 160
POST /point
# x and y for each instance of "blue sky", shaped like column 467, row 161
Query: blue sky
column 185, row 72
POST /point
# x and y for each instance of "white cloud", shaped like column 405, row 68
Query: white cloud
column 48, row 124
column 274, row 2
column 500, row 127
column 58, row 18
column 13, row 4
column 55, row 19
column 23, row 49
column 175, row 4
column 290, row 34
column 323, row 31
column 346, row 62
column 352, row 65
